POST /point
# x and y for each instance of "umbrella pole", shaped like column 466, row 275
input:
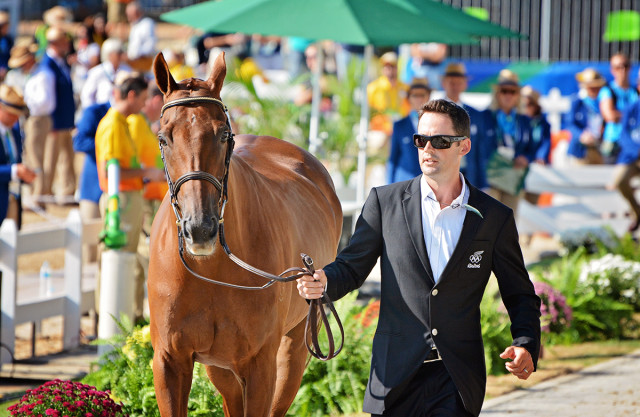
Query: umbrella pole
column 364, row 127
column 316, row 97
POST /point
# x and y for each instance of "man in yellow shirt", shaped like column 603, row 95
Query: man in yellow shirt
column 114, row 141
column 387, row 95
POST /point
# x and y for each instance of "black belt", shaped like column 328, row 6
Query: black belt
column 432, row 356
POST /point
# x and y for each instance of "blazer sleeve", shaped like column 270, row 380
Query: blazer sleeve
column 353, row 265
column 516, row 289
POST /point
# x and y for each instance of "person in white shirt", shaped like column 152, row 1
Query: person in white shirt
column 100, row 79
column 49, row 96
column 142, row 38
column 438, row 239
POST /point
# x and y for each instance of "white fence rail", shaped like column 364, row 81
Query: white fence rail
column 21, row 301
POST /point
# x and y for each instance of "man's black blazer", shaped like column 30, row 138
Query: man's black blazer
column 413, row 309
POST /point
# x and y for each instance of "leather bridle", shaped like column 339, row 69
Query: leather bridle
column 290, row 274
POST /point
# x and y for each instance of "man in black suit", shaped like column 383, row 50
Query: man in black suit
column 439, row 238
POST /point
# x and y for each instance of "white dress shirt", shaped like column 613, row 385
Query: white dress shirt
column 441, row 228
column 40, row 90
column 142, row 38
column 99, row 84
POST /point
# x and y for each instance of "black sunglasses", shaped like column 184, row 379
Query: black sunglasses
column 437, row 141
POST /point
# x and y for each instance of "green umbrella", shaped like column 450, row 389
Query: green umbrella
column 356, row 22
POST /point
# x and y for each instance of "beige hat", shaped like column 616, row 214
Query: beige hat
column 55, row 34
column 21, row 53
column 590, row 78
column 455, row 69
column 508, row 77
column 528, row 92
column 4, row 17
column 389, row 58
column 57, row 15
column 420, row 83
column 11, row 100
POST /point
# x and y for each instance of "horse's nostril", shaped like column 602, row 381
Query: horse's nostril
column 187, row 234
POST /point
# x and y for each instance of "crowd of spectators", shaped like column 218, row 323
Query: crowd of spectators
column 67, row 73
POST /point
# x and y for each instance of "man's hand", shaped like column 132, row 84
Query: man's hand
column 521, row 364
column 25, row 174
column 311, row 288
column 520, row 162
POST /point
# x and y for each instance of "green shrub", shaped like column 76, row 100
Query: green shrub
column 127, row 372
column 596, row 314
column 337, row 386
column 496, row 334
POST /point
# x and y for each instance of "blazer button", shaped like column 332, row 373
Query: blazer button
column 434, row 332
column 434, row 292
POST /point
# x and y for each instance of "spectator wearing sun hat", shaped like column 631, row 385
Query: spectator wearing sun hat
column 540, row 127
column 12, row 170
column 57, row 16
column 22, row 63
column 49, row 95
column 454, row 83
column 403, row 163
column 584, row 120
column 507, row 137
column 387, row 95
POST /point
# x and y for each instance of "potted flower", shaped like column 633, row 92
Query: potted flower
column 66, row 398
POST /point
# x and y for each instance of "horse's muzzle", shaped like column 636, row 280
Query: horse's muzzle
column 200, row 236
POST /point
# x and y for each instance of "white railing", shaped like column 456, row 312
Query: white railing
column 21, row 301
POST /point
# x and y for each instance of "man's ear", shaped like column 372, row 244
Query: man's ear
column 465, row 146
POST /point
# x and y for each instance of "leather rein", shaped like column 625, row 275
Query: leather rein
column 291, row 274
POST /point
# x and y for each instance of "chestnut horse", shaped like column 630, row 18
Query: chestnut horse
column 281, row 201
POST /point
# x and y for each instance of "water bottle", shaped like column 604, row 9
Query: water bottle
column 46, row 286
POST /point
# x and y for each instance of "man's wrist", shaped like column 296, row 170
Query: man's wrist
column 14, row 172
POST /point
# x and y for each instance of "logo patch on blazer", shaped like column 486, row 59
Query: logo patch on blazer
column 475, row 259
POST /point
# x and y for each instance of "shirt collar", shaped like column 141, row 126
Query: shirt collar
column 427, row 193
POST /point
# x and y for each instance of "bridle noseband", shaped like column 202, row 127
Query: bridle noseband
column 286, row 276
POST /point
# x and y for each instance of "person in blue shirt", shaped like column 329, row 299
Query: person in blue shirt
column 85, row 141
column 614, row 98
column 12, row 170
column 628, row 164
column 403, row 163
column 540, row 127
column 508, row 133
column 584, row 121
column 454, row 83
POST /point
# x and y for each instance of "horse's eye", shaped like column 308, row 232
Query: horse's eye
column 162, row 139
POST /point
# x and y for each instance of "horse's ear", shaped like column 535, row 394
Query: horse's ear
column 219, row 71
column 164, row 79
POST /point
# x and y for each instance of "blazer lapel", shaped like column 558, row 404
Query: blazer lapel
column 412, row 206
column 469, row 228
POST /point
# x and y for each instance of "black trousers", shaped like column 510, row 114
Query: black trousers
column 430, row 393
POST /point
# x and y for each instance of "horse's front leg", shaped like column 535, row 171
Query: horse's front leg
column 172, row 373
column 259, row 376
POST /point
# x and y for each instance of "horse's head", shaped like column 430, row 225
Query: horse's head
column 195, row 137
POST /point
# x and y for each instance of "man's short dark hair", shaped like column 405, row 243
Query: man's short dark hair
column 459, row 116
column 135, row 83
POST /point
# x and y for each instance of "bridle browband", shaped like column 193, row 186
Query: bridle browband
column 290, row 274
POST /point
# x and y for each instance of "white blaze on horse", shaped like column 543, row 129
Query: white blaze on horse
column 281, row 201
